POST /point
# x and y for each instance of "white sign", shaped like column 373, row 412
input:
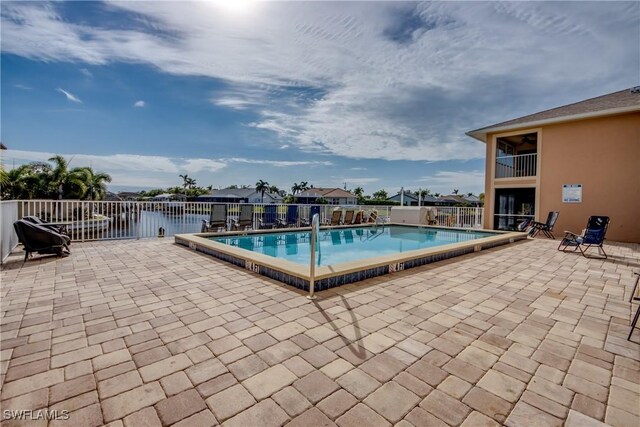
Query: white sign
column 572, row 193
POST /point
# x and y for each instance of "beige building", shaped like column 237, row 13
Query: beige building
column 580, row 159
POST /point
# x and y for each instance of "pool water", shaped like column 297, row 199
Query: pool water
column 350, row 244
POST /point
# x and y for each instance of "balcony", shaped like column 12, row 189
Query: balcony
column 518, row 166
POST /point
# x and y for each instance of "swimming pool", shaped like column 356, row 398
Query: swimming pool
column 345, row 254
column 349, row 244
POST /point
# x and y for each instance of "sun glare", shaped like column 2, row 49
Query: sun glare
column 234, row 6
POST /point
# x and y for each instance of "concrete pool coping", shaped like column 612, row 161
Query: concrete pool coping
column 346, row 272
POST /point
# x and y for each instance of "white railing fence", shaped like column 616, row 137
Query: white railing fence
column 516, row 166
column 464, row 217
column 86, row 220
column 8, row 237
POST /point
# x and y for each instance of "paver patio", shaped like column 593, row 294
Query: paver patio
column 149, row 333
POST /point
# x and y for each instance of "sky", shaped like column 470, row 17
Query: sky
column 371, row 94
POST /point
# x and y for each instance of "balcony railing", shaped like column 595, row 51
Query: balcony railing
column 517, row 166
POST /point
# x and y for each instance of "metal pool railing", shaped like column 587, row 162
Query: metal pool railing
column 107, row 220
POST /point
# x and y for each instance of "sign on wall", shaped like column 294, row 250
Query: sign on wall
column 571, row 193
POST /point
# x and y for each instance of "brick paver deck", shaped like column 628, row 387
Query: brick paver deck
column 148, row 333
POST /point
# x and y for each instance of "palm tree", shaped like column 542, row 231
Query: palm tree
column 380, row 195
column 304, row 186
column 185, row 181
column 455, row 191
column 62, row 180
column 295, row 189
column 262, row 187
column 359, row 192
column 273, row 189
column 96, row 182
column 16, row 183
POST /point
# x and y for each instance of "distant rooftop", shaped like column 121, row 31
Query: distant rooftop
column 325, row 192
column 614, row 103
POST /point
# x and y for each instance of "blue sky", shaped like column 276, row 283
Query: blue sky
column 374, row 94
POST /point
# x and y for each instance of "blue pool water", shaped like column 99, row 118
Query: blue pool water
column 349, row 244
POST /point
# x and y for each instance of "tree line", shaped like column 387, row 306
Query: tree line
column 56, row 180
column 53, row 180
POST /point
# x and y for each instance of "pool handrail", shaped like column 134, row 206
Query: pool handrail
column 315, row 229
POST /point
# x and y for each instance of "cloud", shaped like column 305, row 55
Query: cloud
column 156, row 167
column 123, row 162
column 384, row 80
column 71, row 97
column 284, row 146
column 197, row 165
column 357, row 181
column 21, row 86
column 358, row 169
column 139, row 104
column 86, row 72
column 279, row 163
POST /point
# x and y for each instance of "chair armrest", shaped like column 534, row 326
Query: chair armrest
column 570, row 233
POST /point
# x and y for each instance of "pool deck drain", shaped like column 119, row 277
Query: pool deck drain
column 133, row 331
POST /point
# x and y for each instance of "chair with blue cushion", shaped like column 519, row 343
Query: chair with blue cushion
column 306, row 222
column 291, row 219
column 593, row 236
column 269, row 217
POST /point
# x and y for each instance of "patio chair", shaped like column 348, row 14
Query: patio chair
column 358, row 218
column 525, row 225
column 373, row 216
column 634, row 297
column 36, row 238
column 336, row 216
column 291, row 220
column 217, row 219
column 593, row 235
column 245, row 219
column 269, row 217
column 431, row 216
column 546, row 228
column 348, row 217
column 306, row 222
column 60, row 229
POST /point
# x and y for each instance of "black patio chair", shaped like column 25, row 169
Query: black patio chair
column 36, row 238
column 217, row 219
column 634, row 297
column 594, row 235
column 245, row 219
column 61, row 229
column 546, row 228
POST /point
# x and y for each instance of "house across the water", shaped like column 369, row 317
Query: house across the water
column 332, row 196
column 239, row 195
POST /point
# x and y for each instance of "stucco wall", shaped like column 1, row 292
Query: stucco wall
column 602, row 154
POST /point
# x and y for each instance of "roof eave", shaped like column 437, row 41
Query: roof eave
column 481, row 134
